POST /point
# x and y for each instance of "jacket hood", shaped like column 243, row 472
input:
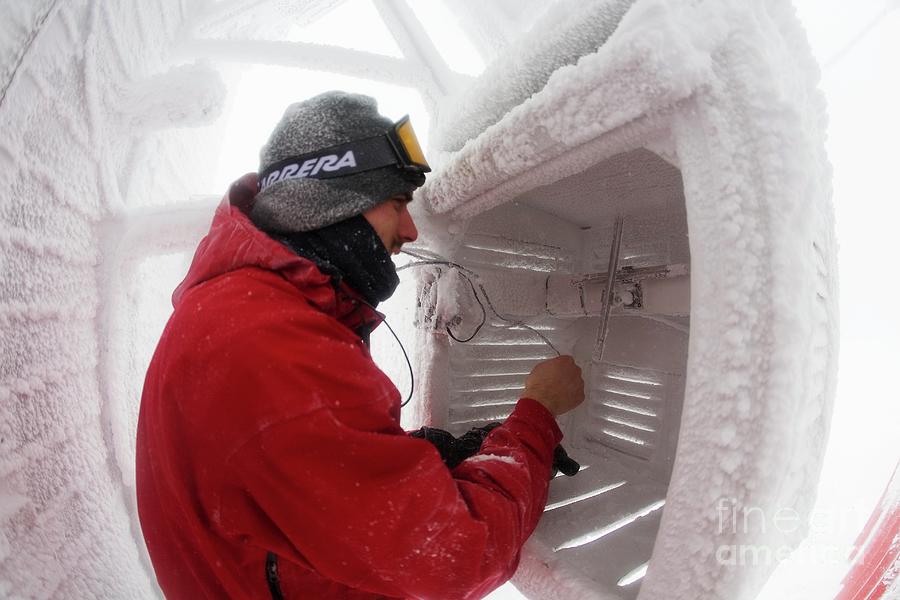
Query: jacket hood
column 233, row 242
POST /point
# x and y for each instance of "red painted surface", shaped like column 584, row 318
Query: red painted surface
column 877, row 554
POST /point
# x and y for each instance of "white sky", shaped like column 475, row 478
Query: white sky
column 859, row 44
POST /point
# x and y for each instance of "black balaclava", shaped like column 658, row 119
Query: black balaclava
column 348, row 251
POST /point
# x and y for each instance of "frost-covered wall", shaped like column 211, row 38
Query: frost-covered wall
column 84, row 89
column 733, row 86
column 568, row 31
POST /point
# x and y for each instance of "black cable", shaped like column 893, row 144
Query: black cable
column 466, row 273
column 483, row 314
column 273, row 579
column 412, row 379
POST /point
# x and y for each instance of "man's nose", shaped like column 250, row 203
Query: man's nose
column 408, row 231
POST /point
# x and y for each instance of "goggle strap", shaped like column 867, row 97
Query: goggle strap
column 336, row 161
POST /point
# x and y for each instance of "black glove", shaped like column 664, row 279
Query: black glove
column 440, row 439
column 563, row 462
column 455, row 450
column 469, row 443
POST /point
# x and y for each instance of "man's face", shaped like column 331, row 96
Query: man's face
column 392, row 222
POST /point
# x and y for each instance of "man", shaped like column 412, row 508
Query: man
column 270, row 459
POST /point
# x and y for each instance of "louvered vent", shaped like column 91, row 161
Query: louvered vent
column 627, row 405
column 488, row 373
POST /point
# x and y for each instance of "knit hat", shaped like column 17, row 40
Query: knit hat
column 305, row 204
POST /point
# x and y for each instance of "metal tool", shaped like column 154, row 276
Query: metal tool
column 609, row 293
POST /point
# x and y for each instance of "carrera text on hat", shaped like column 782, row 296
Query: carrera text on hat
column 297, row 168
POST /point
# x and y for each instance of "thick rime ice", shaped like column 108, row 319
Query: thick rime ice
column 185, row 95
column 84, row 91
column 568, row 31
column 727, row 90
column 647, row 67
column 533, row 160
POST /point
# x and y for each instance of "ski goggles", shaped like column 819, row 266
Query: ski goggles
column 398, row 146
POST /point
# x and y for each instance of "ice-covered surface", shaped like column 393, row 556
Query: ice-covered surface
column 86, row 89
column 646, row 67
column 732, row 86
column 566, row 32
column 601, row 524
column 88, row 92
column 757, row 185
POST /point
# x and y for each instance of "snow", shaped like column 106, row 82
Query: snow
column 565, row 33
column 104, row 105
column 479, row 458
column 648, row 66
column 733, row 88
column 77, row 103
column 185, row 95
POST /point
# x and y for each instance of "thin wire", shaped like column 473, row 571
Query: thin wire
column 474, row 294
column 516, row 323
column 433, row 260
column 420, row 256
column 412, row 379
column 468, row 275
column 483, row 315
column 860, row 35
column 26, row 50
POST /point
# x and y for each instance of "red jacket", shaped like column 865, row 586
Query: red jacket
column 265, row 426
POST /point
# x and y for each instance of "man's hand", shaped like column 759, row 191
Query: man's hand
column 557, row 384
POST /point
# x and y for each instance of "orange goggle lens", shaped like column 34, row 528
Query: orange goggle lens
column 410, row 144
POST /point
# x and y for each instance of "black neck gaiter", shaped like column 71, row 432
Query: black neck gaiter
column 349, row 251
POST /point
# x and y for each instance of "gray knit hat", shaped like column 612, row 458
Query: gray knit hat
column 305, row 204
